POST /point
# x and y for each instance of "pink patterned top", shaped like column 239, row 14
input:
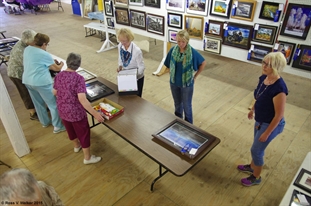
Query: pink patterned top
column 68, row 86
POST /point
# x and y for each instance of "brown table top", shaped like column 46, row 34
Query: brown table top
column 139, row 121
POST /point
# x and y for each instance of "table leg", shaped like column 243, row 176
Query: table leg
column 93, row 123
column 160, row 175
column 2, row 163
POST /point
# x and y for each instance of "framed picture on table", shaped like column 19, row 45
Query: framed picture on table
column 215, row 28
column 269, row 10
column 122, row 16
column 86, row 74
column 288, row 49
column 138, row 19
column 303, row 180
column 174, row 20
column 302, row 60
column 175, row 5
column 153, row 3
column 264, row 33
column 244, row 9
column 155, row 24
column 297, row 22
column 238, row 35
column 194, row 26
column 197, row 7
column 220, row 8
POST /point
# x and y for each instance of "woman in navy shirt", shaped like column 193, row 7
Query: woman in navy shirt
column 269, row 107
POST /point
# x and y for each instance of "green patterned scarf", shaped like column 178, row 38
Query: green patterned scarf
column 186, row 59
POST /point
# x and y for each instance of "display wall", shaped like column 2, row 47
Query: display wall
column 162, row 19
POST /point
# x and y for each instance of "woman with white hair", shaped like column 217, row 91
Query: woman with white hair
column 269, row 107
column 16, row 69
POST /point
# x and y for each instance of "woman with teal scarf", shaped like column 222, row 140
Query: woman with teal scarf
column 185, row 64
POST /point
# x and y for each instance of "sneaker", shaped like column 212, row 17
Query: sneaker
column 34, row 116
column 245, row 168
column 92, row 160
column 77, row 149
column 58, row 130
column 45, row 126
column 250, row 181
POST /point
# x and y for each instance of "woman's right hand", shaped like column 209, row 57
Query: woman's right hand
column 119, row 69
column 250, row 114
column 99, row 117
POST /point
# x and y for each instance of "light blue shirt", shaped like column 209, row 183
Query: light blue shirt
column 36, row 66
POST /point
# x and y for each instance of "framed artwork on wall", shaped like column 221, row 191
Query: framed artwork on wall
column 297, row 22
column 153, row 3
column 138, row 19
column 264, row 33
column 194, row 26
column 122, row 16
column 212, row 45
column 197, row 7
column 303, row 59
column 258, row 52
column 88, row 7
column 238, row 35
column 269, row 11
column 215, row 28
column 175, row 5
column 110, row 22
column 108, row 8
column 172, row 36
column 136, row 2
column 174, row 20
column 288, row 49
column 244, row 10
column 121, row 2
column 155, row 24
column 220, row 8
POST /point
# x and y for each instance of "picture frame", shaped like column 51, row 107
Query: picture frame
column 136, row 2
column 96, row 90
column 295, row 23
column 122, row 16
column 86, row 74
column 121, row 3
column 110, row 22
column 244, row 9
column 215, row 28
column 138, row 19
column 238, row 35
column 184, row 138
column 264, row 33
column 88, row 7
column 302, row 59
column 288, row 49
column 153, row 3
column 108, row 8
column 197, row 7
column 174, row 20
column 194, row 26
column 175, row 5
column 269, row 10
column 258, row 52
column 220, row 8
column 172, row 36
column 303, row 180
column 295, row 201
column 155, row 24
column 212, row 45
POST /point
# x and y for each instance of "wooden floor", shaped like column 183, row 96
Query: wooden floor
column 222, row 95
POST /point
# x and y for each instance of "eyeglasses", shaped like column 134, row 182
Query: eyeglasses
column 265, row 63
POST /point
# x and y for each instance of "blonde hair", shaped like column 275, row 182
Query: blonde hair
column 277, row 61
column 125, row 32
column 183, row 34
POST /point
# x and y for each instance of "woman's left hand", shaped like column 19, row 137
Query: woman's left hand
column 263, row 137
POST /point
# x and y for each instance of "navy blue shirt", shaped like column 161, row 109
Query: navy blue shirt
column 264, row 94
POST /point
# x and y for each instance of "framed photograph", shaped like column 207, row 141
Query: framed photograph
column 238, row 35
column 110, row 22
column 303, row 180
column 122, row 16
column 258, row 52
column 288, row 49
column 153, row 3
column 303, row 58
column 212, row 45
column 96, row 90
column 86, row 74
column 174, row 20
column 297, row 22
column 88, row 7
column 244, row 10
column 172, row 36
column 184, row 137
column 197, row 7
column 215, row 28
column 108, row 8
column 136, row 2
column 121, row 2
column 155, row 24
column 269, row 11
column 138, row 19
column 295, row 201
column 194, row 26
column 175, row 5
column 264, row 33
column 220, row 8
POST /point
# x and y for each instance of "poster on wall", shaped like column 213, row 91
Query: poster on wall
column 88, row 7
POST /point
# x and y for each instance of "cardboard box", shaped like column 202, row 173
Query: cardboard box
column 107, row 114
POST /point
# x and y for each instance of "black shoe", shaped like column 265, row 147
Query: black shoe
column 34, row 116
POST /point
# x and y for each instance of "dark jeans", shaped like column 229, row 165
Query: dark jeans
column 140, row 85
column 23, row 92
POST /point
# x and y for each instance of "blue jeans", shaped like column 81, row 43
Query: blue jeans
column 258, row 148
column 42, row 96
column 183, row 101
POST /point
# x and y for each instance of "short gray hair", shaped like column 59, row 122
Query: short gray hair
column 73, row 61
column 277, row 61
column 28, row 36
column 18, row 184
